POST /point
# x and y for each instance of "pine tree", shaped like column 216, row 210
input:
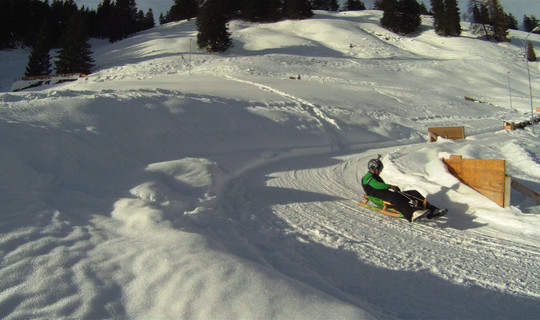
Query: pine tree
column 124, row 13
column 529, row 23
column 181, row 10
column 59, row 15
column 39, row 61
column 480, row 17
column 531, row 55
column 262, row 10
column 401, row 16
column 439, row 15
column 511, row 22
column 453, row 19
column 410, row 18
column 423, row 9
column 489, row 17
column 149, row 21
column 354, row 5
column 105, row 19
column 498, row 20
column 390, row 16
column 7, row 36
column 212, row 26
column 328, row 5
column 75, row 55
column 446, row 17
column 298, row 9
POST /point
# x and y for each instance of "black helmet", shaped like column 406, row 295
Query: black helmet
column 375, row 164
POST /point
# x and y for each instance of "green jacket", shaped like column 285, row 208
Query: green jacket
column 374, row 181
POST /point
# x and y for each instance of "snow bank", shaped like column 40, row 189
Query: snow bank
column 173, row 183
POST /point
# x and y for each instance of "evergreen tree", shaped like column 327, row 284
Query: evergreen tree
column 401, row 16
column 423, row 9
column 262, row 10
column 390, row 16
column 162, row 19
column 298, row 9
column 439, row 16
column 511, row 22
column 498, row 20
column 489, row 17
column 235, row 7
column 531, row 55
column 60, row 13
column 90, row 16
column 212, row 26
column 529, row 23
column 125, row 20
column 181, row 10
column 75, row 55
column 149, row 21
column 480, row 17
column 453, row 19
column 328, row 5
column 354, row 5
column 446, row 17
column 39, row 61
column 409, row 16
column 104, row 19
column 7, row 36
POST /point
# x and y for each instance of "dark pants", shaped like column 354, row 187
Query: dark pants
column 406, row 202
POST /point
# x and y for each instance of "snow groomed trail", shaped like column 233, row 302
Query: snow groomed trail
column 217, row 187
column 430, row 268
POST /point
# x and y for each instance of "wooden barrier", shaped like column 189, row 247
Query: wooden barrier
column 485, row 176
column 509, row 125
column 446, row 132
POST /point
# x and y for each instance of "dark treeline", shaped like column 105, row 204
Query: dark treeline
column 45, row 24
column 249, row 10
column 21, row 20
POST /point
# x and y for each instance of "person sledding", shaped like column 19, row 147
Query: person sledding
column 410, row 203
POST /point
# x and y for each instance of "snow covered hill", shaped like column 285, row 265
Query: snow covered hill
column 173, row 183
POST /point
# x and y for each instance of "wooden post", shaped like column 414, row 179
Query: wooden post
column 485, row 176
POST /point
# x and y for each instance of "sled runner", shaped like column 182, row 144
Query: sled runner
column 385, row 207
column 379, row 205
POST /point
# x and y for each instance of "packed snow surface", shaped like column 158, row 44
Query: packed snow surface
column 172, row 183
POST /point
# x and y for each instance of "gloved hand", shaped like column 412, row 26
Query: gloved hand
column 395, row 188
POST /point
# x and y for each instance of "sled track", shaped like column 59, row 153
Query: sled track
column 305, row 213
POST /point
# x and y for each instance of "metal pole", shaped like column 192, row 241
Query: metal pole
column 529, row 74
column 190, row 40
column 509, row 90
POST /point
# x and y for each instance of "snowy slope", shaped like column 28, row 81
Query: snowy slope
column 173, row 183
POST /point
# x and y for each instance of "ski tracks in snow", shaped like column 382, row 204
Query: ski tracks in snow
column 304, row 221
column 330, row 126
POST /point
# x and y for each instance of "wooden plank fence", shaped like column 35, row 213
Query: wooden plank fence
column 485, row 176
